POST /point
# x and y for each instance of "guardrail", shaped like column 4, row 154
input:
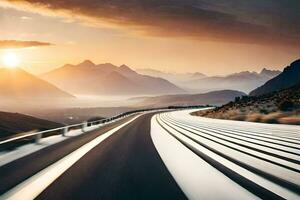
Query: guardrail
column 37, row 136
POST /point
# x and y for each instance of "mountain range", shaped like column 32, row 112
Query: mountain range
column 196, row 82
column 17, row 83
column 88, row 78
column 288, row 78
column 107, row 79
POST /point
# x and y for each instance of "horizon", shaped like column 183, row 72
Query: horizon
column 154, row 69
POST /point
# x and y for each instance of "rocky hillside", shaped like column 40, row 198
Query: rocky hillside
column 276, row 107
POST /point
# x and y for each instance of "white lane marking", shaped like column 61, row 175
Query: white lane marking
column 273, row 129
column 271, row 186
column 196, row 178
column 284, row 130
column 267, row 167
column 212, row 141
column 32, row 187
column 240, row 135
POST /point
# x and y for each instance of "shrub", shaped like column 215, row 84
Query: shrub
column 295, row 120
column 286, row 105
column 263, row 111
column 255, row 117
column 237, row 99
column 272, row 118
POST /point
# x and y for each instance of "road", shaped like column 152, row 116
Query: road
column 230, row 159
column 170, row 155
column 124, row 166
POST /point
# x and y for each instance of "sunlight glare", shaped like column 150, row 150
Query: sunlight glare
column 10, row 60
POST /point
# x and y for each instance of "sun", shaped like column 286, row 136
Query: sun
column 10, row 60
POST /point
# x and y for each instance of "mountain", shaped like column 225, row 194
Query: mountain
column 14, row 123
column 176, row 78
column 270, row 73
column 211, row 98
column 107, row 79
column 243, row 81
column 17, row 83
column 288, row 78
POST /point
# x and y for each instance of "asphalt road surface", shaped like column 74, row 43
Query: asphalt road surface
column 124, row 166
column 169, row 155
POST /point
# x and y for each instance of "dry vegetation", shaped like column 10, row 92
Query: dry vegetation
column 278, row 108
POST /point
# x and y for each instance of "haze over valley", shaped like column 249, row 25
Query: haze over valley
column 116, row 88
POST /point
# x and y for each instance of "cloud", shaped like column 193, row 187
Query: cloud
column 11, row 44
column 25, row 18
column 255, row 21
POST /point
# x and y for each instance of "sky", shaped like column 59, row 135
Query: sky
column 214, row 37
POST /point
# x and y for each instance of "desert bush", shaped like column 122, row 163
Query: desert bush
column 272, row 118
column 238, row 117
column 263, row 111
column 253, row 117
column 294, row 120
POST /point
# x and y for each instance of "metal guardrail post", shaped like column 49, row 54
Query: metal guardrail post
column 38, row 138
column 84, row 125
column 64, row 131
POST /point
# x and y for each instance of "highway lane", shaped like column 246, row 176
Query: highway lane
column 19, row 170
column 126, row 165
column 263, row 159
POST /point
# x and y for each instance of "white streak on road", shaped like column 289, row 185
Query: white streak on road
column 264, row 148
column 196, row 178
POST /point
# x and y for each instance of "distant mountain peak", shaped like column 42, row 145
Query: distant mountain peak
column 86, row 63
column 126, row 70
column 124, row 66
column 107, row 66
column 68, row 65
column 269, row 72
column 198, row 74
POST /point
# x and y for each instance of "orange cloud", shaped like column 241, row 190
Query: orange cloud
column 256, row 21
column 7, row 44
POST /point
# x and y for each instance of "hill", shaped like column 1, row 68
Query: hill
column 277, row 107
column 288, row 78
column 17, row 83
column 212, row 98
column 107, row 79
column 15, row 123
